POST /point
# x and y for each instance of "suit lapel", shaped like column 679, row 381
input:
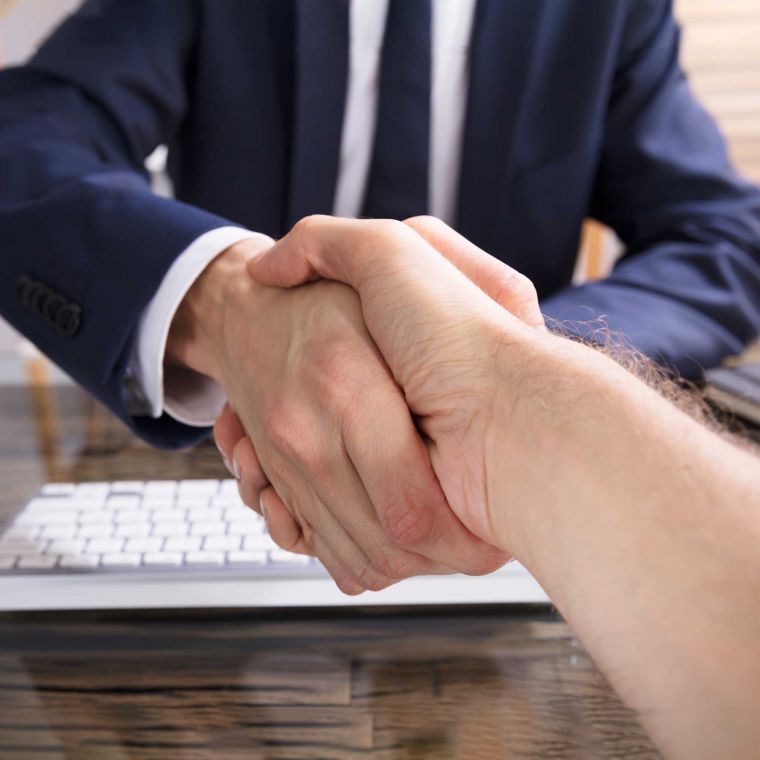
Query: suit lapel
column 501, row 49
column 321, row 73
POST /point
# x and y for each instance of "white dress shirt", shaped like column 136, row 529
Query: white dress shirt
column 196, row 400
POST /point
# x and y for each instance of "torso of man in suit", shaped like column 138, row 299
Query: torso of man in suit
column 542, row 114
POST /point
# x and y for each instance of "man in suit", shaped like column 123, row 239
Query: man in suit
column 513, row 120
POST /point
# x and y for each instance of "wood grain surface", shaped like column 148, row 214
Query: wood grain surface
column 397, row 684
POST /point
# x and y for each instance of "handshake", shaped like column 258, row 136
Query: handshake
column 400, row 409
column 363, row 424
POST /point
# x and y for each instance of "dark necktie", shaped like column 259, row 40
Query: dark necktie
column 397, row 186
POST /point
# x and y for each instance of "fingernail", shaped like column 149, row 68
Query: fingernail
column 235, row 468
column 226, row 461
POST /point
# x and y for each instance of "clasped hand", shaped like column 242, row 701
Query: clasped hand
column 360, row 428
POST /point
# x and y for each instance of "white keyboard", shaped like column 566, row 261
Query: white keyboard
column 188, row 543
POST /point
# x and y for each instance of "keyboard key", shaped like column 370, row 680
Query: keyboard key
column 208, row 528
column 143, row 545
column 198, row 487
column 131, row 516
column 127, row 486
column 20, row 546
column 158, row 502
column 87, row 504
column 170, row 529
column 81, row 561
column 204, row 515
column 261, row 542
column 54, row 506
column 67, row 547
column 221, row 543
column 40, row 562
column 104, row 545
column 162, row 488
column 58, row 489
column 123, row 502
column 183, row 544
column 92, row 490
column 133, row 530
column 91, row 518
column 121, row 559
column 281, row 557
column 167, row 515
column 228, row 487
column 192, row 501
column 59, row 531
column 245, row 528
column 96, row 530
column 247, row 558
column 25, row 550
column 241, row 512
column 204, row 558
column 24, row 534
column 166, row 559
column 45, row 518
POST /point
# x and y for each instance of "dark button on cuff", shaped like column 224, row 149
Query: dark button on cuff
column 64, row 316
column 67, row 320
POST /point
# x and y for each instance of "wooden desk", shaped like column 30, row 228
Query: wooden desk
column 487, row 683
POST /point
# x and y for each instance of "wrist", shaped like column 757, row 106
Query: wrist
column 196, row 336
column 555, row 402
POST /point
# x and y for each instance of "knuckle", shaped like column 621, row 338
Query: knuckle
column 526, row 288
column 487, row 563
column 288, row 433
column 347, row 584
column 386, row 229
column 369, row 578
column 397, row 566
column 307, row 225
column 408, row 523
column 513, row 288
column 425, row 221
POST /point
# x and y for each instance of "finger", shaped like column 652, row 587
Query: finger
column 228, row 430
column 340, row 556
column 508, row 287
column 323, row 246
column 282, row 527
column 246, row 466
column 395, row 271
column 343, row 579
column 249, row 496
column 407, row 497
column 346, row 553
column 348, row 522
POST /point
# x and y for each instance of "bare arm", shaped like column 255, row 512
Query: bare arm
column 642, row 525
column 646, row 537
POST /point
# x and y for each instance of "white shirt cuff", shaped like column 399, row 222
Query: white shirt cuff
column 188, row 396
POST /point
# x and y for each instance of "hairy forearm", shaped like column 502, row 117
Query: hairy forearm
column 644, row 528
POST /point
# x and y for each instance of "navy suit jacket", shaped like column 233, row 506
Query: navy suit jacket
column 575, row 109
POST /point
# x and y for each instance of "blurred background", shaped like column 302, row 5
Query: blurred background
column 721, row 54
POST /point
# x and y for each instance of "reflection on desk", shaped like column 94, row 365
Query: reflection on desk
column 483, row 683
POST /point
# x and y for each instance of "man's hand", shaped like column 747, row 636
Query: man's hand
column 330, row 428
column 428, row 319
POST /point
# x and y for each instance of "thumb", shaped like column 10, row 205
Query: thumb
column 512, row 290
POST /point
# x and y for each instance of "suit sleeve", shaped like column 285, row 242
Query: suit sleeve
column 687, row 291
column 85, row 243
